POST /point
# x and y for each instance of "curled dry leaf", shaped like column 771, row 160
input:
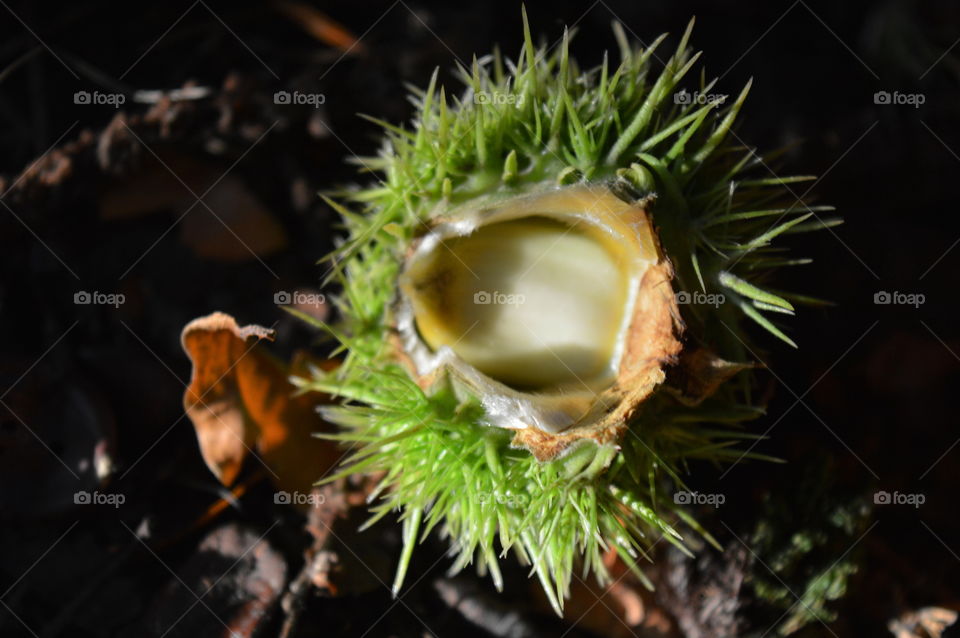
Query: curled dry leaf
column 231, row 225
column 241, row 402
column 928, row 622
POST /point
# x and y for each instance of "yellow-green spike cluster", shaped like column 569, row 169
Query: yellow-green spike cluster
column 516, row 127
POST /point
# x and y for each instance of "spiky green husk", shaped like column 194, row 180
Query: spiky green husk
column 444, row 469
column 544, row 121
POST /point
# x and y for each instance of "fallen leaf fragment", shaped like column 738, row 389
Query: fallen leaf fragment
column 233, row 226
column 241, row 402
column 928, row 622
column 230, row 224
column 320, row 26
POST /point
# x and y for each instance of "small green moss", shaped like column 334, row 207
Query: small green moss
column 805, row 537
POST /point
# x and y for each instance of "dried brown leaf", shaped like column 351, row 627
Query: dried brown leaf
column 928, row 622
column 241, row 401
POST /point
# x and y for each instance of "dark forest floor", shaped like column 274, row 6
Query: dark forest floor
column 94, row 391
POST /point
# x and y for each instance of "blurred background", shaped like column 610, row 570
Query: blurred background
column 153, row 170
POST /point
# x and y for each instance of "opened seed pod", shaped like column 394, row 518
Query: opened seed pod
column 555, row 309
column 544, row 307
